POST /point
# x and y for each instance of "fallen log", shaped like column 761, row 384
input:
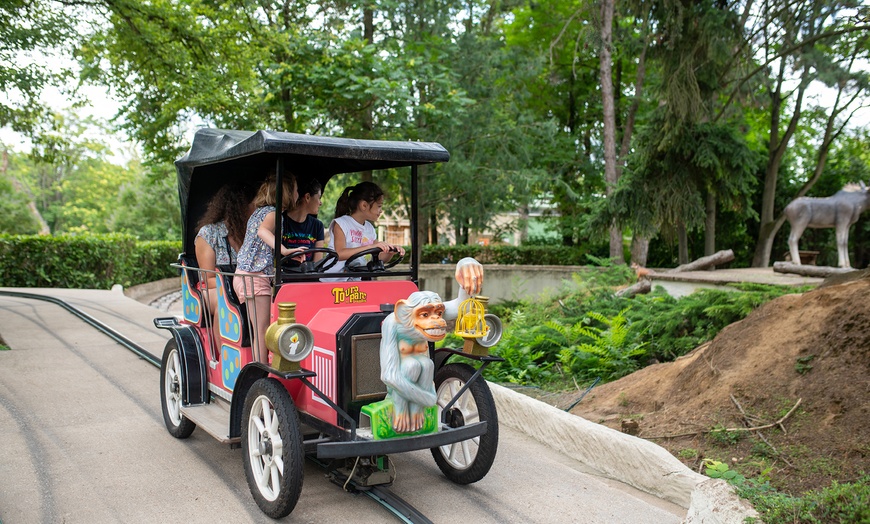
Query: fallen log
column 809, row 271
column 638, row 288
column 718, row 258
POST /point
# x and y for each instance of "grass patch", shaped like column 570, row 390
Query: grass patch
column 840, row 503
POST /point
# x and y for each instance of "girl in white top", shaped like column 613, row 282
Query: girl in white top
column 352, row 231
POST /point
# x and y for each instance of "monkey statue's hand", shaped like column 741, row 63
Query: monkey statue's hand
column 469, row 274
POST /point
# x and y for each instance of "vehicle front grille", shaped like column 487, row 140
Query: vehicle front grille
column 365, row 350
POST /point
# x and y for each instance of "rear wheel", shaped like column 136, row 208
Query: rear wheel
column 467, row 461
column 272, row 443
column 171, row 382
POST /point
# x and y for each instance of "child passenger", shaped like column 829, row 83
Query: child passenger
column 301, row 226
column 255, row 266
column 352, row 230
column 220, row 236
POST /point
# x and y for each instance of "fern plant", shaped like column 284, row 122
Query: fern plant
column 588, row 351
column 525, row 360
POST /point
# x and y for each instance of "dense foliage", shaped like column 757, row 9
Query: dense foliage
column 723, row 112
column 510, row 255
column 587, row 332
column 83, row 261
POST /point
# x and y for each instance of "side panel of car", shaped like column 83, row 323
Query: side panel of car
column 191, row 299
column 234, row 346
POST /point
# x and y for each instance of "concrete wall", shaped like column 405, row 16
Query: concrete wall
column 501, row 282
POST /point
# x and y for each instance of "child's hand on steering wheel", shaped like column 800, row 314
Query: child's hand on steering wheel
column 286, row 251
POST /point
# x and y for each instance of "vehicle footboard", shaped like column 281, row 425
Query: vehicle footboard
column 364, row 447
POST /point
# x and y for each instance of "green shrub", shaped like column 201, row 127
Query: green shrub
column 586, row 330
column 550, row 255
column 589, row 351
column 526, row 360
column 674, row 326
column 83, row 261
column 840, row 503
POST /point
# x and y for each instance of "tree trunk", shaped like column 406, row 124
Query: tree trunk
column 639, row 250
column 683, row 244
column 433, row 227
column 524, row 223
column 777, row 148
column 610, row 172
column 639, row 244
column 769, row 226
column 710, row 225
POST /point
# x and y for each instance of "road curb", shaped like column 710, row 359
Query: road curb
column 634, row 461
column 154, row 289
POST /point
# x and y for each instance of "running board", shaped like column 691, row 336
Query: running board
column 213, row 418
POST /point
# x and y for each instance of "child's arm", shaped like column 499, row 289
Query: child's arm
column 205, row 259
column 340, row 244
column 266, row 232
column 317, row 256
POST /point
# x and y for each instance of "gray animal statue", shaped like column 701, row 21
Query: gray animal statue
column 839, row 211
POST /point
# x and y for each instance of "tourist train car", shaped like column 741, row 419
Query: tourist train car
column 313, row 394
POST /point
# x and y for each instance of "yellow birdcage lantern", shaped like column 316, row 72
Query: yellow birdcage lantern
column 479, row 329
column 470, row 323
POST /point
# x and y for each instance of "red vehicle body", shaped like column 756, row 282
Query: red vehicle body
column 211, row 379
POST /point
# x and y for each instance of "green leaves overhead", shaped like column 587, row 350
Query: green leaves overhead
column 668, row 178
column 511, row 88
column 30, row 31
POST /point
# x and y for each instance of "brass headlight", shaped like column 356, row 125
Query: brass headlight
column 288, row 341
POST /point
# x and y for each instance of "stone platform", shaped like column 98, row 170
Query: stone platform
column 683, row 283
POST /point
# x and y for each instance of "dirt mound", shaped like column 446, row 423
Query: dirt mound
column 813, row 348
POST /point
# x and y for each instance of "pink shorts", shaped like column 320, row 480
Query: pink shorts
column 251, row 286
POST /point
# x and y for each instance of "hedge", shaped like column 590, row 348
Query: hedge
column 556, row 255
column 83, row 261
column 100, row 261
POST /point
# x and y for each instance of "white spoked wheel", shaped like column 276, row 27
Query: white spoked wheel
column 469, row 460
column 171, row 382
column 273, row 447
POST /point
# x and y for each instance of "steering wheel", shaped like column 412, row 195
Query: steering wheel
column 329, row 259
column 375, row 265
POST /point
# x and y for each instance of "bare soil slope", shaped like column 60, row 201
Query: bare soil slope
column 813, row 347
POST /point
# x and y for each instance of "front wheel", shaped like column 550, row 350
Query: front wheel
column 171, row 382
column 272, row 443
column 467, row 461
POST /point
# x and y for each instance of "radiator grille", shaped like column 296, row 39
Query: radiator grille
column 367, row 367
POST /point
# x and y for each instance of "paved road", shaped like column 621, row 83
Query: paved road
column 84, row 441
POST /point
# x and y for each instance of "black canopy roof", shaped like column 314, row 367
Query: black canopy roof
column 218, row 157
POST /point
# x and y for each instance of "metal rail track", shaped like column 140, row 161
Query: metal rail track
column 383, row 496
column 88, row 319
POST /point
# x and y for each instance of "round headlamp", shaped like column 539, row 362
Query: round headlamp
column 295, row 342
